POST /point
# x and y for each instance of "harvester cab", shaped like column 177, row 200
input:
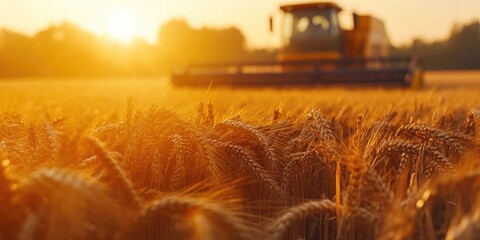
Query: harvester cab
column 316, row 50
column 311, row 31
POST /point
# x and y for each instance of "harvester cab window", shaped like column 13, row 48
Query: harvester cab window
column 312, row 24
column 309, row 30
column 302, row 24
column 321, row 21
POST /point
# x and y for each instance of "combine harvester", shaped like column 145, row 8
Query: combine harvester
column 316, row 51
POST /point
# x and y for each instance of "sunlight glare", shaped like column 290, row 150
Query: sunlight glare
column 122, row 24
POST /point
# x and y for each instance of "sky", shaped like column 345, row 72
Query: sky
column 404, row 19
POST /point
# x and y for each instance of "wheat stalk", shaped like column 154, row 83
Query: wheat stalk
column 468, row 228
column 118, row 176
column 454, row 141
column 403, row 215
column 198, row 219
column 297, row 163
column 260, row 138
column 69, row 204
column 256, row 169
column 294, row 214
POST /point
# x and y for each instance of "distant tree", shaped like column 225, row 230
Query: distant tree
column 17, row 54
column 182, row 43
column 63, row 48
column 461, row 50
column 464, row 46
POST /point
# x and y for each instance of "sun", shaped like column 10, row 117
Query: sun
column 122, row 24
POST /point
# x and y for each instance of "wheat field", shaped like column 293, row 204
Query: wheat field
column 139, row 159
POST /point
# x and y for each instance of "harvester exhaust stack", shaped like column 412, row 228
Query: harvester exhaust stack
column 316, row 50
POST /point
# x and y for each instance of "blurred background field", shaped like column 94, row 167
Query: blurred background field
column 84, row 97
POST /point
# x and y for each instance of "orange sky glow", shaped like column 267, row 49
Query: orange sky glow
column 428, row 19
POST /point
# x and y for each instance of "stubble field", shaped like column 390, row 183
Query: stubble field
column 139, row 159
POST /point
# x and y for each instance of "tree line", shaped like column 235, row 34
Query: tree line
column 460, row 51
column 66, row 50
